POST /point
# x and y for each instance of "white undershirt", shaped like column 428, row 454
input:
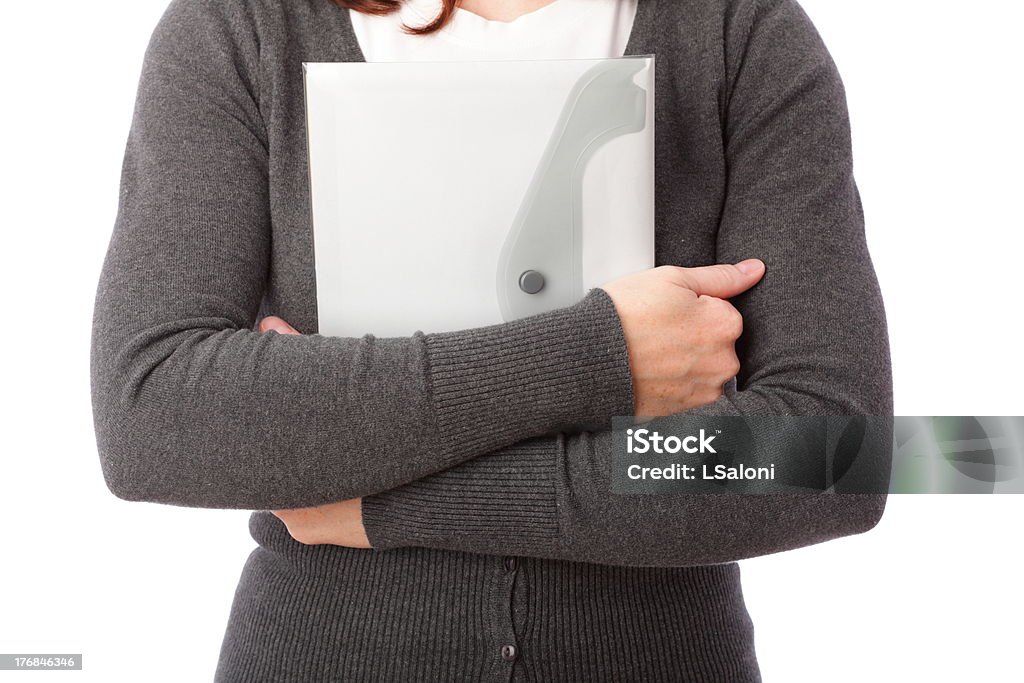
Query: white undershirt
column 565, row 29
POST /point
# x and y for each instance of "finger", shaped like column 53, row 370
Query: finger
column 724, row 280
column 275, row 324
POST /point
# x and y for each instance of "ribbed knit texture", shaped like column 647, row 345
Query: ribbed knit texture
column 426, row 512
column 482, row 456
column 324, row 613
column 518, row 377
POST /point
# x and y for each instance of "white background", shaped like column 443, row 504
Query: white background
column 934, row 593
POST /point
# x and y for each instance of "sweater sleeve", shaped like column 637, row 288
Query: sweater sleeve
column 815, row 343
column 193, row 407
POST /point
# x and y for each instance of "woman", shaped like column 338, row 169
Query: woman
column 476, row 463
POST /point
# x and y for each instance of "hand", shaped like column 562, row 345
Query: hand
column 339, row 523
column 681, row 332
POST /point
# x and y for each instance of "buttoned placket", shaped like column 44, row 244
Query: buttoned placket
column 507, row 650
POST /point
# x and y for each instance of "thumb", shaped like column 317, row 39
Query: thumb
column 275, row 324
column 724, row 280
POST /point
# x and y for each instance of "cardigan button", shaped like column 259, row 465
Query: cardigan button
column 509, row 653
column 511, row 564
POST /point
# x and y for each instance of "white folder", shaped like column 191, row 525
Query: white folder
column 451, row 195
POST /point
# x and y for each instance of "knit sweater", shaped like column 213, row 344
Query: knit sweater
column 482, row 456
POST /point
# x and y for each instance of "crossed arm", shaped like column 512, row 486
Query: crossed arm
column 195, row 407
column 680, row 333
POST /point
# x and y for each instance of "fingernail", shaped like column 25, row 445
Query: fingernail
column 749, row 267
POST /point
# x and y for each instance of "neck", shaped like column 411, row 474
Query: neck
column 503, row 10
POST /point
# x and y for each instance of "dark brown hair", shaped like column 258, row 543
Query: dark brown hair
column 381, row 7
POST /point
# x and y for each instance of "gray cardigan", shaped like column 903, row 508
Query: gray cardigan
column 482, row 455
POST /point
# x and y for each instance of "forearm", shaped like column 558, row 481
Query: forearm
column 205, row 412
column 553, row 497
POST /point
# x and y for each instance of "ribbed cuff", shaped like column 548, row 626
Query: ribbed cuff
column 497, row 503
column 562, row 370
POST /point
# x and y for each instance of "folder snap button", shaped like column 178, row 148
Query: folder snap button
column 531, row 282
